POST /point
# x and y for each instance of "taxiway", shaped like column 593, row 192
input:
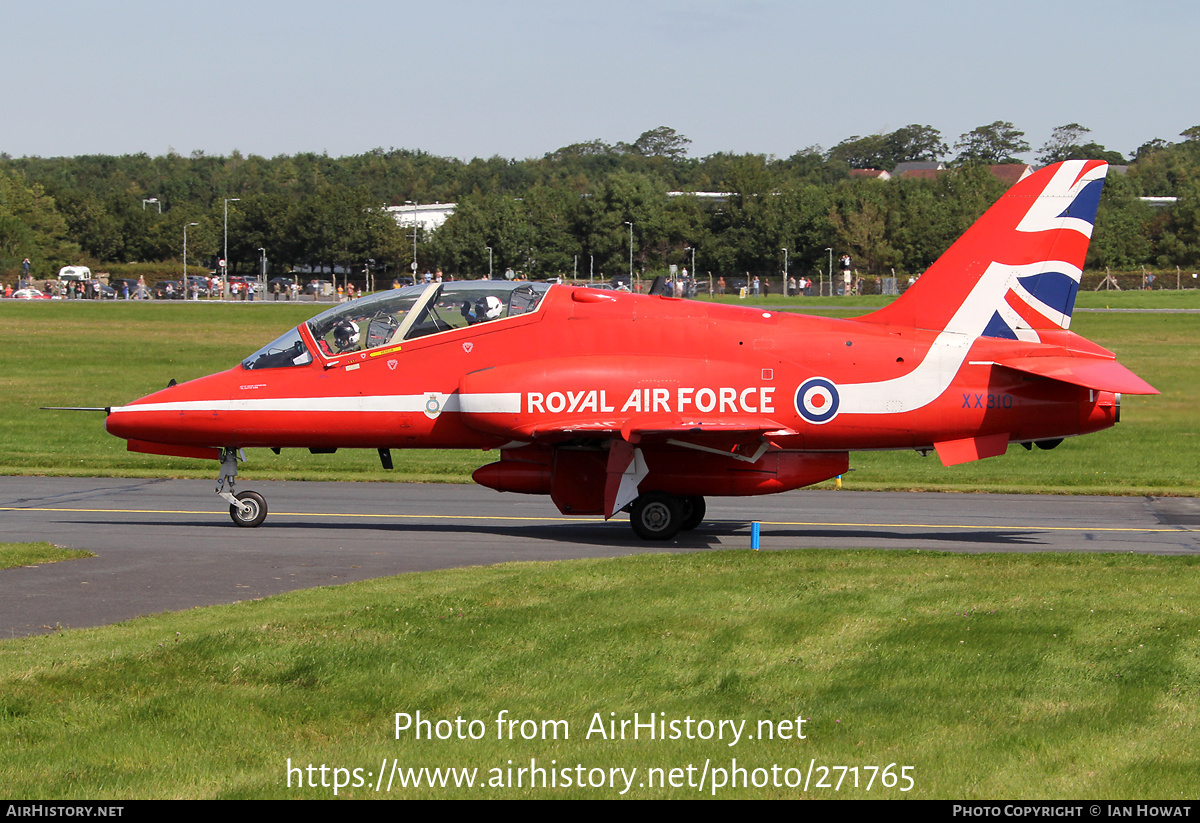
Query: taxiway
column 165, row 545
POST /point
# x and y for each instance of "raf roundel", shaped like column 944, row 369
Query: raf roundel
column 817, row 400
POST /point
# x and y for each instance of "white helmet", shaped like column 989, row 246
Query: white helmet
column 494, row 307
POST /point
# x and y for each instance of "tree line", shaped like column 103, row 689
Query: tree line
column 577, row 209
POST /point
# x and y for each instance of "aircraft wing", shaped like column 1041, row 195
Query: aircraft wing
column 739, row 439
column 656, row 428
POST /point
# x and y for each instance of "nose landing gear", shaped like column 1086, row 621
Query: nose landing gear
column 247, row 509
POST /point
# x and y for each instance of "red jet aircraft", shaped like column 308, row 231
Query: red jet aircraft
column 610, row 402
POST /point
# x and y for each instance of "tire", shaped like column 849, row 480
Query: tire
column 693, row 512
column 257, row 513
column 656, row 516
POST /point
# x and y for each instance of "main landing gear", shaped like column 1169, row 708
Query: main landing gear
column 246, row 509
column 661, row 516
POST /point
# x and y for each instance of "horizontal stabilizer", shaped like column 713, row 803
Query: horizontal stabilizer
column 953, row 452
column 1101, row 374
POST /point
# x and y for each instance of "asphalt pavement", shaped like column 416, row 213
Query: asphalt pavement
column 164, row 545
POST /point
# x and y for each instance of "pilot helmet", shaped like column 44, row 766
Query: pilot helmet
column 494, row 307
column 345, row 334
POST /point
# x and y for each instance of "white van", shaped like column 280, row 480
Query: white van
column 74, row 273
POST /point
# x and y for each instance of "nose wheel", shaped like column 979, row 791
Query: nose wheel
column 251, row 512
column 246, row 509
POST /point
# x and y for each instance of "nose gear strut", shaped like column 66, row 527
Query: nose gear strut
column 247, row 509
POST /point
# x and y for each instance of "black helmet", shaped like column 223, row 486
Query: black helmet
column 345, row 335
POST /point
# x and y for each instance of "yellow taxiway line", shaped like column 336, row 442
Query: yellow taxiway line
column 585, row 519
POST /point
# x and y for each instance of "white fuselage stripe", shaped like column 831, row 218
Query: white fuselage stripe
column 499, row 402
column 945, row 357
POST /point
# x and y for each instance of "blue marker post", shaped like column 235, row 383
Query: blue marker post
column 755, row 528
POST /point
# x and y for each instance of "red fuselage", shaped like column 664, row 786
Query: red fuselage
column 589, row 361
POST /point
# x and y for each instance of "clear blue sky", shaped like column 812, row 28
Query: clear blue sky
column 519, row 78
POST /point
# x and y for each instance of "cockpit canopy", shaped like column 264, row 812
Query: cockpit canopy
column 390, row 317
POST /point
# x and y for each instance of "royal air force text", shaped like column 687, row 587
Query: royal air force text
column 753, row 400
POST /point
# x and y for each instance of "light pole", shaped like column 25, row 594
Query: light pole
column 627, row 223
column 262, row 277
column 183, row 285
column 153, row 200
column 687, row 285
column 414, row 219
column 225, row 268
column 785, row 287
column 489, row 248
column 821, row 289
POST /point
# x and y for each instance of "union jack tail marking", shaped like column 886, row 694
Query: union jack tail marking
column 1017, row 270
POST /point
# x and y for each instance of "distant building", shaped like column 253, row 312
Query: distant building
column 707, row 196
column 870, row 174
column 427, row 216
column 1011, row 173
column 920, row 171
column 1007, row 173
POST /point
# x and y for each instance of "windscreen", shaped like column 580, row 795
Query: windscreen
column 390, row 317
column 287, row 350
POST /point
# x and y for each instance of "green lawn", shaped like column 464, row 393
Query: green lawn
column 13, row 555
column 1162, row 299
column 990, row 676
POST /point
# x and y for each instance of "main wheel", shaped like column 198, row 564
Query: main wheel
column 693, row 512
column 255, row 516
column 656, row 516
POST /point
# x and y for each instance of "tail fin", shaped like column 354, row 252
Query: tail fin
column 1017, row 269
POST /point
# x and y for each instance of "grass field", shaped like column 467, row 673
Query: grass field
column 84, row 354
column 991, row 676
column 1162, row 299
column 34, row 554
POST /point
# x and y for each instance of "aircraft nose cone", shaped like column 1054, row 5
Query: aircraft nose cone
column 185, row 414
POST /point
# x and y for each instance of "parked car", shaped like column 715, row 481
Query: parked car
column 167, row 290
column 239, row 286
column 106, row 292
column 201, row 284
column 119, row 285
column 30, row 294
